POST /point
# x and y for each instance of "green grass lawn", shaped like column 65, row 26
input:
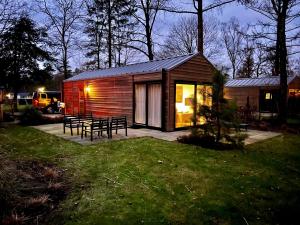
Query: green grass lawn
column 149, row 181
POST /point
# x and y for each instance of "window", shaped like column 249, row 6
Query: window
column 268, row 96
column 294, row 92
column 187, row 103
column 43, row 96
column 204, row 97
column 185, row 95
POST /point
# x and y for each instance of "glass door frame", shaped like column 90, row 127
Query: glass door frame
column 147, row 83
column 195, row 83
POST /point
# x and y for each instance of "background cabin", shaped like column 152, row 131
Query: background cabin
column 262, row 94
column 158, row 94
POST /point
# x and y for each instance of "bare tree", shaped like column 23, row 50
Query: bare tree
column 233, row 38
column 279, row 27
column 263, row 59
column 247, row 68
column 200, row 9
column 62, row 16
column 146, row 16
column 9, row 9
column 182, row 38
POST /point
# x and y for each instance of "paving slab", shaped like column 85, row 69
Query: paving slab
column 57, row 130
column 257, row 135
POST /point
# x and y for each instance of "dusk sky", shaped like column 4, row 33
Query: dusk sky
column 165, row 20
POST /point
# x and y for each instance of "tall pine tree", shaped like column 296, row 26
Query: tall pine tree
column 21, row 51
column 109, row 28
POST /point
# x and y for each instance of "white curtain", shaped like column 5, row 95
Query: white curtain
column 140, row 103
column 154, row 105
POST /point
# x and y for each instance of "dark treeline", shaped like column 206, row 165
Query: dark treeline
column 66, row 35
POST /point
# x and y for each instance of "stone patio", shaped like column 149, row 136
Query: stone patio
column 57, row 130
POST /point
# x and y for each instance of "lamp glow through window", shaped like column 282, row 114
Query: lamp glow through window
column 268, row 96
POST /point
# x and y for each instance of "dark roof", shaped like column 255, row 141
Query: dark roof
column 257, row 82
column 138, row 68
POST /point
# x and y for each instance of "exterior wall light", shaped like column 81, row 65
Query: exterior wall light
column 87, row 89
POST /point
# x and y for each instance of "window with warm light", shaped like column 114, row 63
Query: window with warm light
column 268, row 96
column 294, row 92
column 187, row 102
column 204, row 97
column 184, row 104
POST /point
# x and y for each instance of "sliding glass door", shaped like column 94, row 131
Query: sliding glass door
column 148, row 108
column 185, row 95
column 204, row 98
column 189, row 98
column 154, row 105
column 140, row 104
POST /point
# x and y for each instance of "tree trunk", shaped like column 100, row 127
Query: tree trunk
column 15, row 101
column 218, row 137
column 65, row 63
column 147, row 11
column 98, row 50
column 233, row 71
column 149, row 39
column 98, row 60
column 281, row 56
column 109, row 41
column 200, row 27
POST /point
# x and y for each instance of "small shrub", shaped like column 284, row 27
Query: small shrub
column 206, row 141
column 31, row 116
column 7, row 117
column 221, row 127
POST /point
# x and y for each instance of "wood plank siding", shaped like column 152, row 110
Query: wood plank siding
column 295, row 84
column 147, row 77
column 107, row 97
column 71, row 96
column 196, row 70
column 240, row 95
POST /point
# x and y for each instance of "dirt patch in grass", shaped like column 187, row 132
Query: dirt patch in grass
column 30, row 191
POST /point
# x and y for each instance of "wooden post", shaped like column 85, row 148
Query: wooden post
column 163, row 99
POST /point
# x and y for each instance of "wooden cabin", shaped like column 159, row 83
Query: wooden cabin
column 262, row 94
column 158, row 94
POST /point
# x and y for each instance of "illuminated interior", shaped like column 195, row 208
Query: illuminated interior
column 184, row 105
column 204, row 97
column 268, row 96
column 294, row 92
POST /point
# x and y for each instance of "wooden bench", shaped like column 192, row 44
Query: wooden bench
column 118, row 123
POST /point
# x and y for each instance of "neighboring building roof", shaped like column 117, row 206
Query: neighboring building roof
column 257, row 82
column 138, row 68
